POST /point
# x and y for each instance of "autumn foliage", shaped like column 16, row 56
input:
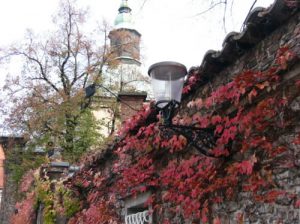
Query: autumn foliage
column 247, row 114
column 25, row 212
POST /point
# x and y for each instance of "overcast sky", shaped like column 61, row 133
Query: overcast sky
column 171, row 30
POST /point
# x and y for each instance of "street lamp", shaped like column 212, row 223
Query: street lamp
column 167, row 80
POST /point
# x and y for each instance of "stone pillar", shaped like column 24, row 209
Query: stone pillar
column 130, row 103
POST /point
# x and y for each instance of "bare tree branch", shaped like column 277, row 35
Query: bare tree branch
column 251, row 8
column 42, row 72
column 143, row 4
column 224, row 16
column 210, row 8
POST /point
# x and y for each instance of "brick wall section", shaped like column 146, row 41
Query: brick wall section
column 134, row 100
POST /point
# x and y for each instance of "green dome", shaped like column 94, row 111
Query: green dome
column 124, row 18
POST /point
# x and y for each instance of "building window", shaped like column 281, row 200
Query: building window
column 138, row 218
column 136, row 210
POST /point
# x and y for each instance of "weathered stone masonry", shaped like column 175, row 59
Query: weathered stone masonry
column 265, row 32
column 260, row 57
column 256, row 49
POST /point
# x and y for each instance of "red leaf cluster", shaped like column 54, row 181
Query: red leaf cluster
column 149, row 157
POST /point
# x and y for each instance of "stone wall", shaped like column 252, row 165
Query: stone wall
column 243, row 209
column 283, row 209
column 256, row 49
column 257, row 58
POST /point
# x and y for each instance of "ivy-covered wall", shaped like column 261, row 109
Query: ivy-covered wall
column 9, row 199
column 9, row 196
column 272, row 196
column 247, row 96
column 18, row 167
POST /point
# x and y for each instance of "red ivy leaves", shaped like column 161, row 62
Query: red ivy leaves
column 26, row 210
column 100, row 212
column 27, row 181
column 191, row 183
column 216, row 119
column 297, row 140
column 136, row 120
column 284, row 56
column 297, row 204
column 188, row 183
column 217, row 221
column 177, row 143
column 270, row 196
column 246, row 167
column 193, row 79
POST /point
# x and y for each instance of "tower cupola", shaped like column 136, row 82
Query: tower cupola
column 124, row 38
column 124, row 18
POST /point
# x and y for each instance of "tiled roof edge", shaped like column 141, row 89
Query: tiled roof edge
column 258, row 24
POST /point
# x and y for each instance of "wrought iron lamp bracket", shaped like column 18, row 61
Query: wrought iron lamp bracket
column 167, row 111
column 202, row 139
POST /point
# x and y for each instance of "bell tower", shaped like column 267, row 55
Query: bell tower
column 124, row 78
column 124, row 38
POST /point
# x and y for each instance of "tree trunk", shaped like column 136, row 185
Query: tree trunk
column 69, row 135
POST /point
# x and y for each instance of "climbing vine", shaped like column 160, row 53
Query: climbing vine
column 50, row 195
column 247, row 115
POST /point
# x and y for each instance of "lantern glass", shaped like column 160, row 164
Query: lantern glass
column 167, row 80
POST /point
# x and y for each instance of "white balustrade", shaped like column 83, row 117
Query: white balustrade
column 138, row 218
